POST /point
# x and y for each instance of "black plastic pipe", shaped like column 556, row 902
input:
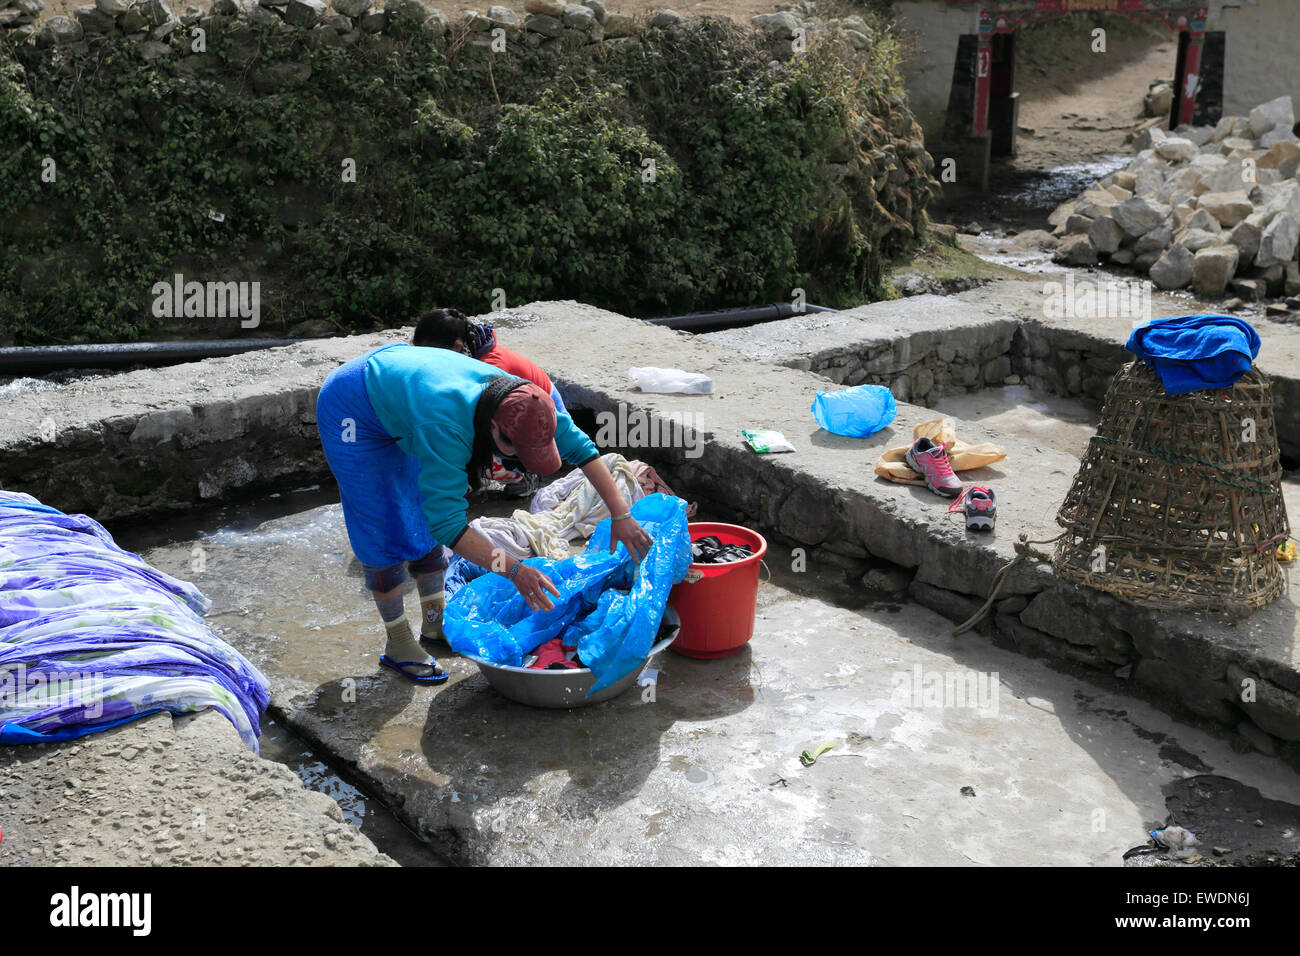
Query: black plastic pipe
column 745, row 315
column 41, row 359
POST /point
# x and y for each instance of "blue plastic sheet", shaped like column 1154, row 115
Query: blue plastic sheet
column 609, row 606
column 855, row 412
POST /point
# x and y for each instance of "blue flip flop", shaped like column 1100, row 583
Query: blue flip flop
column 439, row 676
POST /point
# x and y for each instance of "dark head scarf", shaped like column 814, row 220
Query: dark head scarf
column 482, row 338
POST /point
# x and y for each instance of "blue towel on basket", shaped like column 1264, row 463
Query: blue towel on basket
column 1194, row 352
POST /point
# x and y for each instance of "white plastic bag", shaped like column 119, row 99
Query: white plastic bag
column 669, row 380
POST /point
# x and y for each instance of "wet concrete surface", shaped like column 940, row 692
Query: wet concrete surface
column 1043, row 768
column 278, row 743
column 708, row 770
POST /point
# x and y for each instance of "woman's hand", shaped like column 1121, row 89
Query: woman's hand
column 533, row 585
column 625, row 530
column 632, row 535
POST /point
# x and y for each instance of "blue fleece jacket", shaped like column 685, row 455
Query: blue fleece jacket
column 425, row 398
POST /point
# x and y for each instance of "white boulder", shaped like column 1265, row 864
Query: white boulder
column 1278, row 243
column 1173, row 270
column 1212, row 268
column 1229, row 208
column 1266, row 116
column 1175, row 149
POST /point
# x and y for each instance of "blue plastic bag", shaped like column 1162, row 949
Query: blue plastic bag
column 855, row 412
column 609, row 606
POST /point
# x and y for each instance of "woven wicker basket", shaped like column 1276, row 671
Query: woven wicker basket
column 1174, row 505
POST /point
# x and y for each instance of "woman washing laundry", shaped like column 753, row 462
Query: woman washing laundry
column 406, row 432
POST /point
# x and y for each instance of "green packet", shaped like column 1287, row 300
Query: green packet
column 765, row 441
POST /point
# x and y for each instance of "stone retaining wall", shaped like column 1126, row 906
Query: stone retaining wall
column 548, row 24
column 160, row 441
column 927, row 365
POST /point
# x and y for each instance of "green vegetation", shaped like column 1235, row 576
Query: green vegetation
column 527, row 172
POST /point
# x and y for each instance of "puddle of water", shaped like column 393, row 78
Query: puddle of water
column 698, row 777
column 359, row 809
column 834, row 836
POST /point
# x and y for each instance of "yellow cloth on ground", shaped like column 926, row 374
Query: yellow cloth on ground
column 549, row 532
column 963, row 457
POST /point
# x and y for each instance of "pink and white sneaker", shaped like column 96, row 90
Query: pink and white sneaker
column 980, row 508
column 931, row 461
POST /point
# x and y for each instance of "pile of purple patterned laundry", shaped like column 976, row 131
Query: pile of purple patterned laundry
column 92, row 636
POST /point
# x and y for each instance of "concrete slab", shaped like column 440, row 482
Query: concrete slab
column 1279, row 355
column 164, row 440
column 826, row 493
column 167, row 792
column 821, row 335
column 707, row 772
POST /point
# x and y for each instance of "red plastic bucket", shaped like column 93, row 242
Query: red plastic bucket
column 717, row 611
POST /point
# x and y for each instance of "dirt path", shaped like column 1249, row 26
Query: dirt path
column 1076, row 104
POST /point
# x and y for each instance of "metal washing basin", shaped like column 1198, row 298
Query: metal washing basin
column 566, row 688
